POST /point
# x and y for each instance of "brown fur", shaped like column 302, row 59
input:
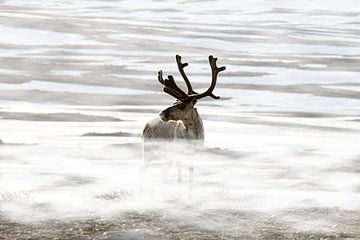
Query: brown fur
column 178, row 124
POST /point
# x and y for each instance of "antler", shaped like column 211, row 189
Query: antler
column 181, row 70
column 171, row 88
column 181, row 67
column 214, row 72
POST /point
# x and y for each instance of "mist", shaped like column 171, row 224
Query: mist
column 78, row 82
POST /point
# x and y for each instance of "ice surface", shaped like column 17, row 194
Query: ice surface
column 23, row 36
column 281, row 156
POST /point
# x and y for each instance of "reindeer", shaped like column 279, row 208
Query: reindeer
column 179, row 123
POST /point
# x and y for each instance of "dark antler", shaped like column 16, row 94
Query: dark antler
column 214, row 72
column 188, row 84
column 171, row 88
column 181, row 70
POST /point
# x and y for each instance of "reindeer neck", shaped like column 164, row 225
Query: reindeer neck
column 193, row 125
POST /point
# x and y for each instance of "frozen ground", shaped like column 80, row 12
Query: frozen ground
column 78, row 82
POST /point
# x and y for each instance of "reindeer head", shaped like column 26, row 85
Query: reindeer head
column 183, row 108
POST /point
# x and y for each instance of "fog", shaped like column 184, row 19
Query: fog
column 78, row 83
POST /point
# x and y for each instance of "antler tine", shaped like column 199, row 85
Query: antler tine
column 181, row 67
column 171, row 88
column 214, row 72
column 160, row 77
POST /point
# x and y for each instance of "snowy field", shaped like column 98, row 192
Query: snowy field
column 282, row 145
